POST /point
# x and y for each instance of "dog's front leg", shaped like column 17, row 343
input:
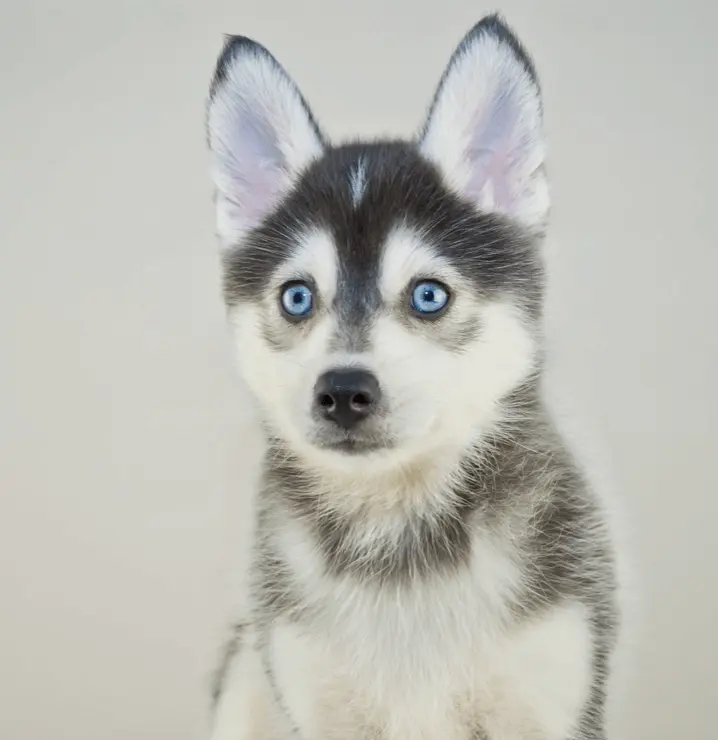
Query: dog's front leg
column 245, row 707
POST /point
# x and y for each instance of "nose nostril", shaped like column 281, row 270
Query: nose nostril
column 360, row 401
column 326, row 401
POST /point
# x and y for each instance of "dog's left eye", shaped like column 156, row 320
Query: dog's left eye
column 429, row 298
column 297, row 300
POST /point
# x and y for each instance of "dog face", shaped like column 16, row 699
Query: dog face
column 384, row 296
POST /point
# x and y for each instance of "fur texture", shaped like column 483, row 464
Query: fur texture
column 438, row 568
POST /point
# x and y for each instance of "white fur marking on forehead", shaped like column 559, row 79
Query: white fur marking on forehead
column 407, row 256
column 315, row 257
column 357, row 181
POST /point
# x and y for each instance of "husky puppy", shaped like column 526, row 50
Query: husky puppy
column 429, row 561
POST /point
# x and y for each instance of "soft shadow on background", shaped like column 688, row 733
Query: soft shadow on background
column 128, row 450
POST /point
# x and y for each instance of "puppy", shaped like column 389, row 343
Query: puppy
column 429, row 560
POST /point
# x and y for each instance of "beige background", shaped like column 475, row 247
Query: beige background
column 127, row 450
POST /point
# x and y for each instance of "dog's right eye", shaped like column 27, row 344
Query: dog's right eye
column 297, row 300
column 429, row 298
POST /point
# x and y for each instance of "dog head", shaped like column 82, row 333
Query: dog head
column 385, row 296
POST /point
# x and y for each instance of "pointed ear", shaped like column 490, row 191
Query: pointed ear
column 261, row 136
column 484, row 129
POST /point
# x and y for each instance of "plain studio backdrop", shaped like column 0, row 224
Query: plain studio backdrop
column 127, row 449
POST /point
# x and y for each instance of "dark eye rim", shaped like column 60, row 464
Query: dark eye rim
column 423, row 315
column 297, row 318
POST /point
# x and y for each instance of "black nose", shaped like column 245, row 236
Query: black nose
column 346, row 396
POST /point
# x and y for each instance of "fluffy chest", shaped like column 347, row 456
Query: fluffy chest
column 424, row 642
column 441, row 657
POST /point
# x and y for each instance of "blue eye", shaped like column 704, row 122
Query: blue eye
column 429, row 297
column 297, row 300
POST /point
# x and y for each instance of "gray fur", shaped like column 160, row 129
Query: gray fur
column 526, row 470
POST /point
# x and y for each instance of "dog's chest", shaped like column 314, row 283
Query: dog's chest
column 408, row 678
column 413, row 658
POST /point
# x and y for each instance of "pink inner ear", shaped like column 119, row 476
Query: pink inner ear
column 493, row 154
column 246, row 205
column 256, row 192
column 253, row 168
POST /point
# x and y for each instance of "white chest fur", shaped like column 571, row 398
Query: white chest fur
column 438, row 659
